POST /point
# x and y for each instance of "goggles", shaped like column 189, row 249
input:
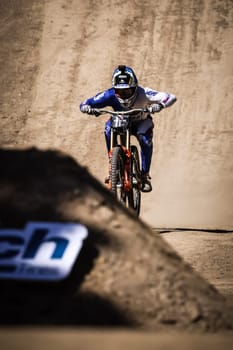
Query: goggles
column 125, row 93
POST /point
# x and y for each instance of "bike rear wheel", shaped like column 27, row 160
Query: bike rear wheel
column 134, row 196
column 117, row 167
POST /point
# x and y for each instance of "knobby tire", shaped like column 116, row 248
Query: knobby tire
column 117, row 174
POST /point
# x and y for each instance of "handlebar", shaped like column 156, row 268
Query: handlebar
column 131, row 111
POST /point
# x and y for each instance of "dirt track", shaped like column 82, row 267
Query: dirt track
column 176, row 46
column 55, row 54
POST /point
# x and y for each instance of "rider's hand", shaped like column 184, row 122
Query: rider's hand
column 86, row 109
column 155, row 108
column 95, row 112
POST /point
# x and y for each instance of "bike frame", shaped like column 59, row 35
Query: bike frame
column 121, row 136
column 124, row 142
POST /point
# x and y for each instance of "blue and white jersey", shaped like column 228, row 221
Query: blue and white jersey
column 145, row 97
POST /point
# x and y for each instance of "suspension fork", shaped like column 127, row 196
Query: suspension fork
column 113, row 143
column 113, row 139
column 125, row 145
column 126, row 149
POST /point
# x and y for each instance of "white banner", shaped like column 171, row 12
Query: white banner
column 42, row 251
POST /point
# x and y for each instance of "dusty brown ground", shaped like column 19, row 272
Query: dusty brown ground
column 54, row 54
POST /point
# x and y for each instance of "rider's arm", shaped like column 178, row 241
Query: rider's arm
column 164, row 98
column 100, row 100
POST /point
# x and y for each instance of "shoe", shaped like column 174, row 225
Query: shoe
column 146, row 184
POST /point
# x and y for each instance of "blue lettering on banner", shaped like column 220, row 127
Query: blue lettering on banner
column 42, row 251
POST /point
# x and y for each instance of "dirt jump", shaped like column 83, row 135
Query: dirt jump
column 163, row 279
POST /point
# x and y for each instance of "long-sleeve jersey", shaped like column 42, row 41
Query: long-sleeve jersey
column 145, row 97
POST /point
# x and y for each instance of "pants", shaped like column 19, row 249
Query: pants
column 143, row 131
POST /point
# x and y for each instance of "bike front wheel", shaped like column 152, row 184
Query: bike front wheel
column 117, row 168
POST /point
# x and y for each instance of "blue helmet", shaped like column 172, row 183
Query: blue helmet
column 124, row 82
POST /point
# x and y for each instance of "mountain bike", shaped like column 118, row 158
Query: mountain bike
column 124, row 161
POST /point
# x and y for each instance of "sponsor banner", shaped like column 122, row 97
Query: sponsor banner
column 43, row 251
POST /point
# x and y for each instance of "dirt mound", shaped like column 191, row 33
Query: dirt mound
column 127, row 275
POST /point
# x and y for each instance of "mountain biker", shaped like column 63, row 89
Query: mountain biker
column 126, row 94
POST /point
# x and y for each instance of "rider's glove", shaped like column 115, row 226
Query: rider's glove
column 95, row 112
column 155, row 108
column 86, row 109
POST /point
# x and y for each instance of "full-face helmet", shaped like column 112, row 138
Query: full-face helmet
column 124, row 82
